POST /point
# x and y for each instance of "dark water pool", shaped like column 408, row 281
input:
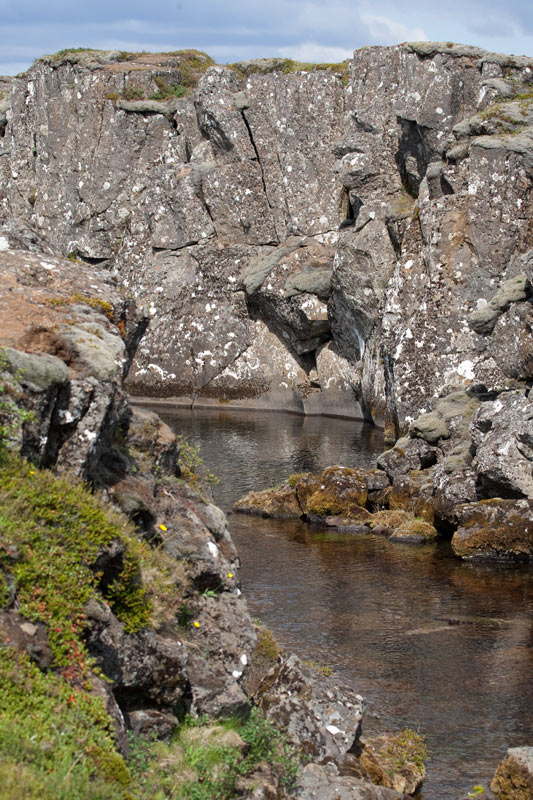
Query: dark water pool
column 377, row 612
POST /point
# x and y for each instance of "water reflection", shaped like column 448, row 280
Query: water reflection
column 380, row 613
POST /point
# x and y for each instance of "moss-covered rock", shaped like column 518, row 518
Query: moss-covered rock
column 414, row 493
column 395, row 760
column 430, row 427
column 414, row 531
column 495, row 528
column 280, row 503
column 338, row 491
column 514, row 776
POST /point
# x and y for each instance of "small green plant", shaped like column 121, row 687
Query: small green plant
column 12, row 415
column 132, row 93
column 165, row 90
column 316, row 667
column 192, row 464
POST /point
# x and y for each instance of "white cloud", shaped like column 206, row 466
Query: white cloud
column 316, row 53
column 387, row 31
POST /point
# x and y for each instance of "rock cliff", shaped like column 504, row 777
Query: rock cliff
column 120, row 615
column 300, row 239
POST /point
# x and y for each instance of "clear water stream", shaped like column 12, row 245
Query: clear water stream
column 379, row 613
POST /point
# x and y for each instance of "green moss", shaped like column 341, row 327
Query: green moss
column 59, row 529
column 316, row 667
column 193, row 64
column 288, row 65
column 93, row 302
column 56, row 741
column 266, row 647
column 165, row 90
column 294, row 480
column 63, row 55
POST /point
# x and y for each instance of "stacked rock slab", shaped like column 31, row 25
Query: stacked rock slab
column 298, row 243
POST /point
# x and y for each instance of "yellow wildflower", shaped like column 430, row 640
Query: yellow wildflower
column 163, row 527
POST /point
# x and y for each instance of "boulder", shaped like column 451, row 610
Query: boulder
column 501, row 529
column 407, row 455
column 319, row 720
column 324, row 783
column 514, row 776
column 279, row 503
column 502, row 432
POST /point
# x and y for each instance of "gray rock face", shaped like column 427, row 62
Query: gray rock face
column 502, row 432
column 296, row 243
column 321, row 722
column 324, row 783
column 221, row 211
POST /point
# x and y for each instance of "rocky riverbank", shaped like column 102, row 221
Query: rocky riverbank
column 126, row 609
column 462, row 472
column 315, row 238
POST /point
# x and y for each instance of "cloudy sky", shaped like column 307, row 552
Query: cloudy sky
column 232, row 30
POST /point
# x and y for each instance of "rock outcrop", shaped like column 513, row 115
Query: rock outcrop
column 161, row 628
column 300, row 239
column 514, row 776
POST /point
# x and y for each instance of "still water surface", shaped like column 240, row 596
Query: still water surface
column 378, row 612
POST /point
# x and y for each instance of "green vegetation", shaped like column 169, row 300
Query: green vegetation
column 56, row 740
column 165, row 90
column 192, row 65
column 67, row 52
column 204, row 761
column 288, row 65
column 319, row 668
column 12, row 416
column 192, row 465
column 409, row 748
column 52, row 532
column 93, row 302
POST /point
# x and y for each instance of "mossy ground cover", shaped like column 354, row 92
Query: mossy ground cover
column 56, row 741
column 203, row 762
column 51, row 533
column 287, row 66
column 56, row 738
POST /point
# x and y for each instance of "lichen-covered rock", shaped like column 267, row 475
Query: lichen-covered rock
column 407, row 455
column 324, row 783
column 297, row 243
column 321, row 721
column 514, row 776
column 67, row 341
column 502, row 433
column 495, row 529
